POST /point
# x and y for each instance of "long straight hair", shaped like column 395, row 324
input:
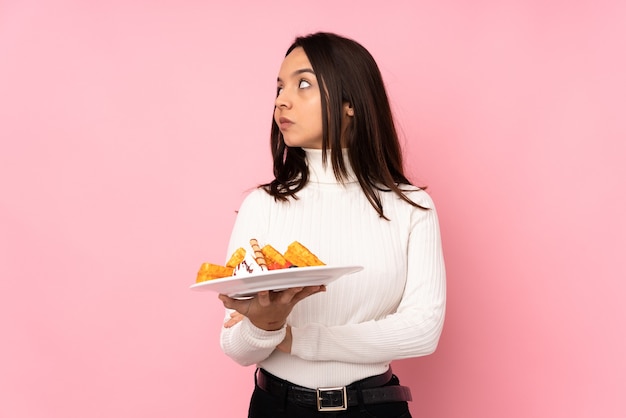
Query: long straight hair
column 347, row 73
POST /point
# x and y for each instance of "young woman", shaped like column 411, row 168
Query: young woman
column 340, row 190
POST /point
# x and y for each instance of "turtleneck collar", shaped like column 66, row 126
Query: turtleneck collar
column 324, row 174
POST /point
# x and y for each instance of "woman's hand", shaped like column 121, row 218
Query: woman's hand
column 235, row 318
column 268, row 310
column 285, row 345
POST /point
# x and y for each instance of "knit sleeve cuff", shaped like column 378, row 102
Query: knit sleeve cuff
column 261, row 338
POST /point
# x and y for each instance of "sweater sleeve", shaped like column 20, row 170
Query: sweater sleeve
column 412, row 330
column 245, row 343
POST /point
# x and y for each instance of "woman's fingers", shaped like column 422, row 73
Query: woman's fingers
column 264, row 298
column 235, row 318
column 231, row 303
column 305, row 292
column 268, row 310
column 287, row 295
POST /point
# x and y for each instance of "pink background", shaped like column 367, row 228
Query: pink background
column 130, row 131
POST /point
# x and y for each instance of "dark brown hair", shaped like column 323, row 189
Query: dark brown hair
column 347, row 73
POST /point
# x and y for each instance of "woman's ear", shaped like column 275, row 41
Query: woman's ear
column 348, row 110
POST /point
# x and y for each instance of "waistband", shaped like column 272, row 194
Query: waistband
column 371, row 390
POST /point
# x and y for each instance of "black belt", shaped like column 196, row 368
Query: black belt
column 366, row 391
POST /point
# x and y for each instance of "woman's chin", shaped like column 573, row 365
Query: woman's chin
column 302, row 144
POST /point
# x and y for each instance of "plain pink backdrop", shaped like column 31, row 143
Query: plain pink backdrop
column 131, row 130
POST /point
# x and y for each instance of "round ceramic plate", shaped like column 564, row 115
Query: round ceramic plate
column 247, row 286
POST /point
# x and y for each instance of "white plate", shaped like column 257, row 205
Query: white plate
column 247, row 286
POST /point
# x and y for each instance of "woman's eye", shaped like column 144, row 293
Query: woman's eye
column 278, row 90
column 304, row 84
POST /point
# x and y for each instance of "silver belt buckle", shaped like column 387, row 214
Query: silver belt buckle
column 339, row 394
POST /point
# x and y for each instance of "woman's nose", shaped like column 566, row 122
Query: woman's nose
column 282, row 99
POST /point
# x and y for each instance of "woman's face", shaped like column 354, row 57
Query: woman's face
column 298, row 106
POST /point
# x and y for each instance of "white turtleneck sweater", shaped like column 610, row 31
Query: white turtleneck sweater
column 392, row 309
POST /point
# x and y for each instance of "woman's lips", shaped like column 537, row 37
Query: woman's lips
column 284, row 123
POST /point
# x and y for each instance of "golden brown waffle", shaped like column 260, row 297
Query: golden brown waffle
column 210, row 271
column 236, row 258
column 273, row 257
column 298, row 255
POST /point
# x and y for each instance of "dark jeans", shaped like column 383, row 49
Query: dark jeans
column 266, row 405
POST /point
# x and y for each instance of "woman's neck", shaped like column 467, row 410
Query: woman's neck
column 323, row 173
